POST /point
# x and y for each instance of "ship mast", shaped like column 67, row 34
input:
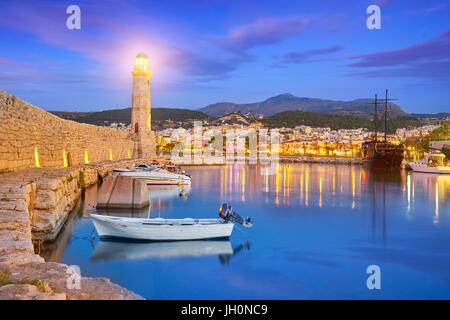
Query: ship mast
column 385, row 115
column 375, row 118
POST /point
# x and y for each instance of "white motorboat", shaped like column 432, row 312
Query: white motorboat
column 154, row 176
column 432, row 163
column 159, row 229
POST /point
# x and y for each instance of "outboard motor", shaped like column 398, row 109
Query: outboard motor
column 226, row 213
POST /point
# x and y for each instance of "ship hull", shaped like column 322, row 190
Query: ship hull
column 383, row 157
column 384, row 161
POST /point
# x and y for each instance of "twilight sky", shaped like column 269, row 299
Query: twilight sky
column 207, row 51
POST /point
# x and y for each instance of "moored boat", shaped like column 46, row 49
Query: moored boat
column 167, row 165
column 382, row 154
column 379, row 155
column 154, row 175
column 432, row 163
column 159, row 229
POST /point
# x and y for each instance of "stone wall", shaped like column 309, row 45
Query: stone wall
column 24, row 274
column 54, row 193
column 31, row 137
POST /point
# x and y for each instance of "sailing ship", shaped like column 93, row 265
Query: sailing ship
column 382, row 154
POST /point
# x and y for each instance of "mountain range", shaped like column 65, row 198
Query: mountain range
column 107, row 117
column 284, row 110
column 288, row 102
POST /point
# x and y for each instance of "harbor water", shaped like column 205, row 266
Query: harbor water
column 317, row 228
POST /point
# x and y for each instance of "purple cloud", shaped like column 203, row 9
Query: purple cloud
column 437, row 69
column 436, row 48
column 440, row 7
column 110, row 42
column 426, row 59
column 193, row 64
column 306, row 56
column 262, row 32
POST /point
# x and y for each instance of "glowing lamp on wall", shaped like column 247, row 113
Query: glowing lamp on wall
column 65, row 160
column 86, row 157
column 36, row 158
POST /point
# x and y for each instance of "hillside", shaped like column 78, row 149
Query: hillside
column 124, row 116
column 440, row 115
column 292, row 119
column 231, row 118
column 288, row 102
column 69, row 115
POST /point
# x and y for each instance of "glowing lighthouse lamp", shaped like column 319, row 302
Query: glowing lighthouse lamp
column 141, row 64
column 141, row 105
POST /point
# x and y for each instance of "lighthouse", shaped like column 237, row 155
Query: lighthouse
column 141, row 129
column 141, row 105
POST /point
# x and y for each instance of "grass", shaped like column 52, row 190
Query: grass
column 4, row 280
column 4, row 171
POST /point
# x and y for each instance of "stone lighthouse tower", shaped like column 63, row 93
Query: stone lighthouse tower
column 141, row 109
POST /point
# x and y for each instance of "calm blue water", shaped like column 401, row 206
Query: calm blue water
column 316, row 230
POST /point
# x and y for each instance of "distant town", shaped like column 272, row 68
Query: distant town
column 302, row 133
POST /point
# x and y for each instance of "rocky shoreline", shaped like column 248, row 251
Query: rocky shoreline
column 34, row 205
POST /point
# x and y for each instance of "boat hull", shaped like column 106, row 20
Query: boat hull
column 172, row 179
column 426, row 169
column 384, row 161
column 161, row 229
column 382, row 156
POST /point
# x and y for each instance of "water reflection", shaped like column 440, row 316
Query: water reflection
column 314, row 225
column 115, row 250
column 226, row 258
column 168, row 192
column 321, row 185
column 54, row 251
column 437, row 187
column 160, row 197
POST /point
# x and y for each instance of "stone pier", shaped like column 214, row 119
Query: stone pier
column 120, row 192
column 45, row 164
column 34, row 205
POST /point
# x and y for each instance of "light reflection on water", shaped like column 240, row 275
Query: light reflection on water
column 316, row 229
